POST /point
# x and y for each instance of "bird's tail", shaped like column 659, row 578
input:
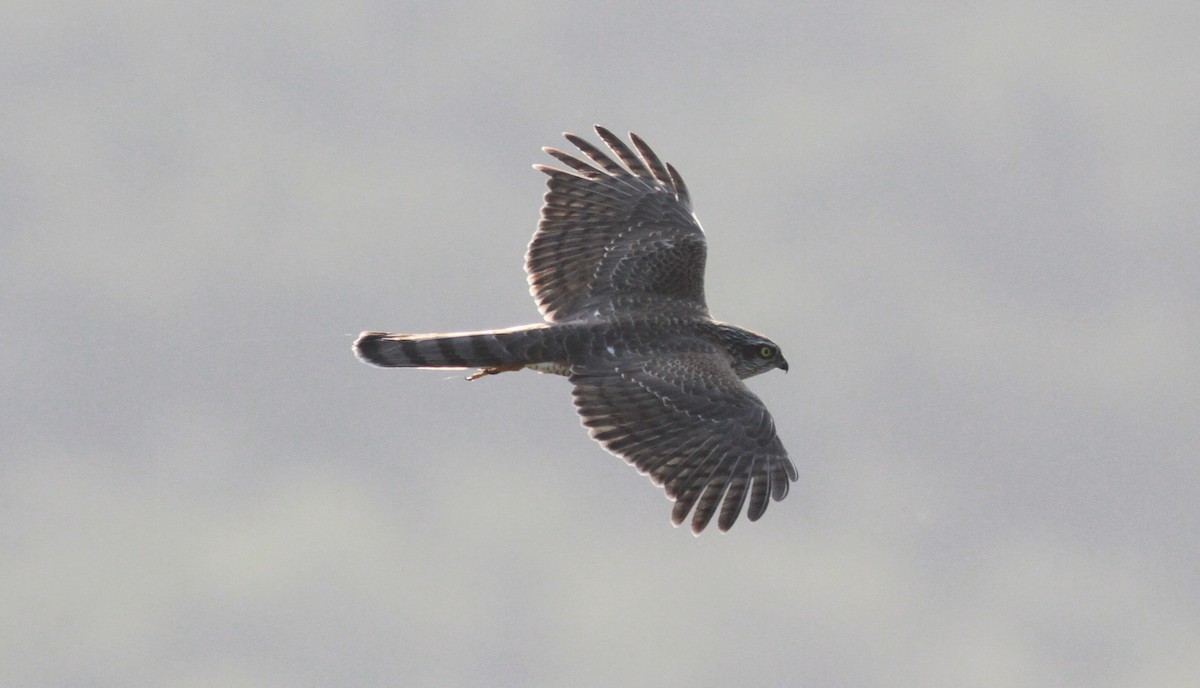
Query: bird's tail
column 504, row 349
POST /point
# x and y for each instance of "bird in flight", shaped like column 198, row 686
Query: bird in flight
column 617, row 269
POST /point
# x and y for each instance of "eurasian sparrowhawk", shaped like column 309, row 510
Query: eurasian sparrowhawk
column 617, row 269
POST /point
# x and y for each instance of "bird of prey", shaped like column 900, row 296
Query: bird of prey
column 617, row 269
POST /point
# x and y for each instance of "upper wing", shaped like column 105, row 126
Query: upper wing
column 613, row 239
column 691, row 425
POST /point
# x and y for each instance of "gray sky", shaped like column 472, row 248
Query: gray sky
column 974, row 231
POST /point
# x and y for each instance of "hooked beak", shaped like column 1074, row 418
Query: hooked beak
column 783, row 364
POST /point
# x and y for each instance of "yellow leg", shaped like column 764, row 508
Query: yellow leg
column 495, row 371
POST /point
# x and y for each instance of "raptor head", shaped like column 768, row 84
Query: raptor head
column 752, row 353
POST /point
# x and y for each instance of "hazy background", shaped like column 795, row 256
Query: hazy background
column 974, row 231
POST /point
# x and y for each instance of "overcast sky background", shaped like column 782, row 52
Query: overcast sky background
column 973, row 230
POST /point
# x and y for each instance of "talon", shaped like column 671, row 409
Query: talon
column 494, row 370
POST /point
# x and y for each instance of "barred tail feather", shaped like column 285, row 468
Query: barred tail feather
column 516, row 346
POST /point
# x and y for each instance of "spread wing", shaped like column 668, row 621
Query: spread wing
column 691, row 425
column 616, row 239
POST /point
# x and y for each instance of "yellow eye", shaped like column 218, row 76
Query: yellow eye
column 766, row 352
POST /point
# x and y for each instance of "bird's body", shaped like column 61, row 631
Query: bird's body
column 556, row 349
column 617, row 267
